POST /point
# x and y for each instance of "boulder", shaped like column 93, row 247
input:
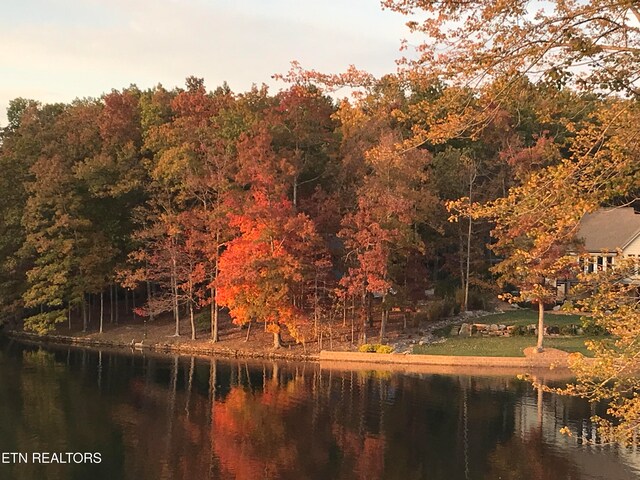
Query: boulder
column 465, row 330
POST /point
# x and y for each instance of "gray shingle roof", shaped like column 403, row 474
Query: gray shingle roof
column 609, row 229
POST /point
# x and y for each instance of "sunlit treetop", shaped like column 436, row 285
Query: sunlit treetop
column 588, row 44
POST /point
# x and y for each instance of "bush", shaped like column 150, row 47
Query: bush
column 569, row 329
column 477, row 300
column 591, row 329
column 202, row 319
column 375, row 348
column 439, row 309
column 520, row 330
column 384, row 349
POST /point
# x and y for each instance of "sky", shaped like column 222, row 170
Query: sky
column 58, row 50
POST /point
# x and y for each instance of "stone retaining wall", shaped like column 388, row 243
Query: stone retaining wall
column 443, row 360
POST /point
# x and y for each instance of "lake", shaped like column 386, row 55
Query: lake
column 145, row 416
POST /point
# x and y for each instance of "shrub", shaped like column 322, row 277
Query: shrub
column 568, row 329
column 520, row 330
column 367, row 348
column 375, row 348
column 477, row 300
column 591, row 329
column 384, row 349
column 439, row 309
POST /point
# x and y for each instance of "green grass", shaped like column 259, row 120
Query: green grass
column 500, row 346
column 518, row 317
column 527, row 317
column 507, row 346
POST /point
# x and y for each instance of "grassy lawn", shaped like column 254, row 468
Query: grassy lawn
column 507, row 346
column 527, row 317
column 499, row 346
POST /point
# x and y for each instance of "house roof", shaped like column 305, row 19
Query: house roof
column 609, row 229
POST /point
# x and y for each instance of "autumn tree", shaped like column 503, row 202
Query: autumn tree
column 70, row 256
column 381, row 233
column 261, row 269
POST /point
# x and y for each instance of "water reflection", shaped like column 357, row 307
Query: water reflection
column 155, row 417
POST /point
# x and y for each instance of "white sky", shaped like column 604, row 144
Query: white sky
column 57, row 50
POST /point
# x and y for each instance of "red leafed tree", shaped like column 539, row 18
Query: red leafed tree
column 380, row 235
column 261, row 268
column 264, row 269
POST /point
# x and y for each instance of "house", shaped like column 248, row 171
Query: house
column 607, row 233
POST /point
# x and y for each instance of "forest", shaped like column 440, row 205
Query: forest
column 289, row 208
column 462, row 175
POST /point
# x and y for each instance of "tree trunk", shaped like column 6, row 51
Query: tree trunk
column 84, row 314
column 174, row 293
column 468, row 268
column 111, row 303
column 69, row 317
column 115, row 295
column 383, row 322
column 149, row 298
column 540, row 325
column 192, row 321
column 277, row 343
column 370, row 309
column 101, row 312
column 214, row 316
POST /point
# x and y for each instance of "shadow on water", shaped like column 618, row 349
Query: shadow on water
column 162, row 417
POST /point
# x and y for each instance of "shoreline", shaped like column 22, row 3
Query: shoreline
column 166, row 348
column 334, row 360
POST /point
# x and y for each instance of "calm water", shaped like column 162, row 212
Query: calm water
column 153, row 417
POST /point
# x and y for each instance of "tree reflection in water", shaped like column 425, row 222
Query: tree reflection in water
column 155, row 417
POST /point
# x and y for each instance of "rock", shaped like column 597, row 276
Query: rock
column 468, row 313
column 493, row 328
column 465, row 330
column 502, row 327
column 455, row 330
column 579, row 331
column 557, row 308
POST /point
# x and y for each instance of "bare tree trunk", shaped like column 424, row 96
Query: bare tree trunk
column 540, row 325
column 315, row 303
column 84, row 314
column 69, row 317
column 174, row 292
column 214, row 302
column 192, row 321
column 101, row 312
column 214, row 316
column 277, row 343
column 468, row 268
column 383, row 320
column 149, row 299
column 133, row 304
column 111, row 303
column 115, row 294
column 248, row 332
